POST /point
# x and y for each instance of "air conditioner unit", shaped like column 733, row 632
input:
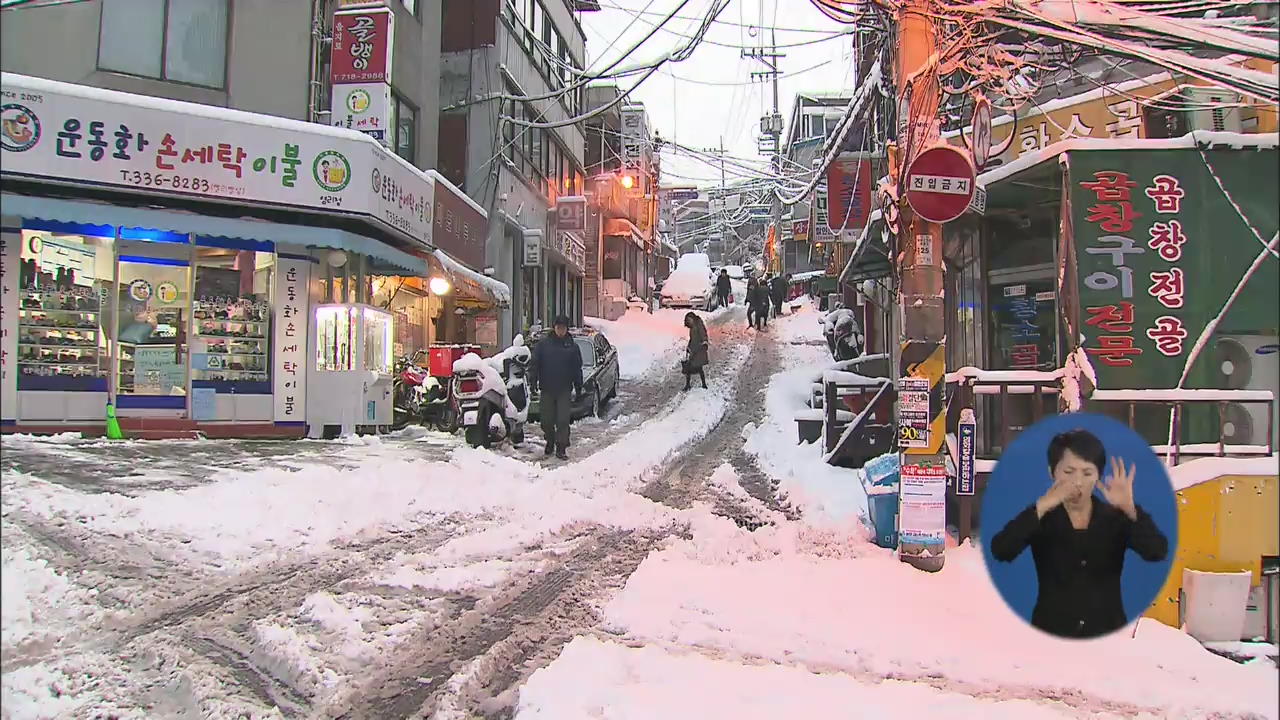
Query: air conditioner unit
column 1221, row 119
column 1248, row 362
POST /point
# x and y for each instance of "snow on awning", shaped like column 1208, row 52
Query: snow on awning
column 1203, row 470
column 478, row 283
column 810, row 275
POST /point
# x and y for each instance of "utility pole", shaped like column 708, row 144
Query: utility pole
column 921, row 364
column 771, row 125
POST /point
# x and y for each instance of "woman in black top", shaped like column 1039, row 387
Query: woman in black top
column 1078, row 541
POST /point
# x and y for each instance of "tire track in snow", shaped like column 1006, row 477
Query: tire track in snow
column 486, row 652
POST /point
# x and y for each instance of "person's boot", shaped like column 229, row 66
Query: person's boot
column 551, row 449
column 562, row 454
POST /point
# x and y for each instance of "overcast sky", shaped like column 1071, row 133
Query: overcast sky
column 711, row 95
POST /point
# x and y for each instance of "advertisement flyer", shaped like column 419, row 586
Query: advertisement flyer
column 922, row 513
column 913, row 412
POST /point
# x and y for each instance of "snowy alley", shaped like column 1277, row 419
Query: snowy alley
column 689, row 561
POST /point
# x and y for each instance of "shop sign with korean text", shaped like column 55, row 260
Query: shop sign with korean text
column 849, row 187
column 289, row 339
column 1159, row 248
column 10, row 261
column 365, row 107
column 571, row 213
column 460, row 229
column 362, row 45
column 533, row 248
column 71, row 133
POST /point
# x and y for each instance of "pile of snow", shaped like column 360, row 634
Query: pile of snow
column 866, row 614
column 39, row 602
column 826, row 495
column 657, row 682
column 644, row 340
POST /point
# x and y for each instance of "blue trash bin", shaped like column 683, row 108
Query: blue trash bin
column 883, row 509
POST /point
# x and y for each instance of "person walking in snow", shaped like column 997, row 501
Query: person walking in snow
column 697, row 354
column 723, row 287
column 749, row 302
column 557, row 370
column 778, row 293
column 759, row 299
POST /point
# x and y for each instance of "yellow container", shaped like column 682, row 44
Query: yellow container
column 1225, row 524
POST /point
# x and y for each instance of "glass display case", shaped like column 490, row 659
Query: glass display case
column 233, row 339
column 60, row 338
column 352, row 376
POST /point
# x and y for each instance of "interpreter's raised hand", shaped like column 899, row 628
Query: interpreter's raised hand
column 1117, row 488
column 1057, row 494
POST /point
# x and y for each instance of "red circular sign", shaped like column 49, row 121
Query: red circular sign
column 940, row 183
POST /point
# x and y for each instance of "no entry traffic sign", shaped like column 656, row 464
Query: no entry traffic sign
column 940, row 183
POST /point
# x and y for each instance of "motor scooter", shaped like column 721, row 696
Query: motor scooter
column 493, row 395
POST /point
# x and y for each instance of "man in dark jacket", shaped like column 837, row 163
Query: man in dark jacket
column 760, row 303
column 723, row 288
column 778, row 293
column 557, row 370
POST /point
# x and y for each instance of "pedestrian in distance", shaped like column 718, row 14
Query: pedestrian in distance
column 723, row 287
column 698, row 352
column 752, row 284
column 1078, row 541
column 760, row 304
column 557, row 370
column 778, row 293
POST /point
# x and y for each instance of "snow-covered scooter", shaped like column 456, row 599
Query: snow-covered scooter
column 493, row 395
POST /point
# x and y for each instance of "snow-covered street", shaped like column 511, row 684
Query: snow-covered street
column 689, row 561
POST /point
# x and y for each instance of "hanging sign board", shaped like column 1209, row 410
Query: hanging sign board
column 533, row 248
column 981, row 133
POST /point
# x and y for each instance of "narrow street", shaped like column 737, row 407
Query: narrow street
column 466, row 648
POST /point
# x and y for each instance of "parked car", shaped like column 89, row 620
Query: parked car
column 599, row 373
column 691, row 285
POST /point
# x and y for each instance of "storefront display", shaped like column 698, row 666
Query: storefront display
column 60, row 342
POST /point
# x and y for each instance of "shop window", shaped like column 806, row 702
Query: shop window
column 152, row 315
column 178, row 40
column 231, row 308
column 335, row 338
column 378, row 341
column 63, row 281
column 404, row 127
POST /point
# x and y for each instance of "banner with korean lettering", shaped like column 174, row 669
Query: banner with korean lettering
column 289, row 339
column 71, row 133
column 1160, row 247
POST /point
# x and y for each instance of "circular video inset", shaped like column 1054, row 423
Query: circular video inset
column 1079, row 525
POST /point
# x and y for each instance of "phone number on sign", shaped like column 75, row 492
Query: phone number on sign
column 162, row 180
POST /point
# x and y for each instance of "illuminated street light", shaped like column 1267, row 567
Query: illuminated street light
column 439, row 286
column 628, row 182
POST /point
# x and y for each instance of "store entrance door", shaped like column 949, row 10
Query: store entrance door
column 153, row 315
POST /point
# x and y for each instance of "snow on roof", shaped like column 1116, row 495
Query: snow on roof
column 1190, row 141
column 499, row 289
column 1203, row 470
column 801, row 277
column 178, row 106
column 1178, row 394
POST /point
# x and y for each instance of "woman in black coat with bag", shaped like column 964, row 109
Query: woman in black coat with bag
column 697, row 354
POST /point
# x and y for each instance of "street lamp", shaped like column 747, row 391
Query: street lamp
column 628, row 182
column 439, row 286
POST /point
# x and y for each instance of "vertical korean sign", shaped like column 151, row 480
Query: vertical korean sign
column 10, row 247
column 1146, row 224
column 290, row 339
column 360, row 71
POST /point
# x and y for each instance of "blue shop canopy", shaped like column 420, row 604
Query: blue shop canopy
column 104, row 218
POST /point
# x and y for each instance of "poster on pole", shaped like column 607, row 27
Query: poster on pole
column 913, row 412
column 922, row 509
